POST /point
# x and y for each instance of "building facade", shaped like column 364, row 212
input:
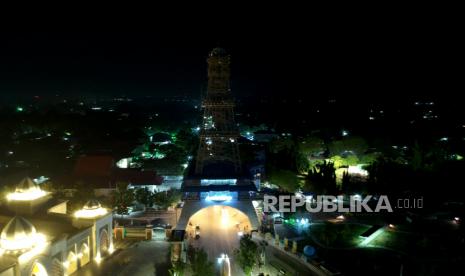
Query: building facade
column 39, row 236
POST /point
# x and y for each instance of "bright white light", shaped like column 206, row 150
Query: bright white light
column 90, row 213
column 224, row 217
column 358, row 169
column 111, row 249
column 184, row 165
column 345, row 133
column 341, row 217
column 391, row 225
column 22, row 241
column 98, row 258
column 39, row 248
column 456, row 218
column 219, row 198
column 30, row 194
column 357, row 197
column 240, row 233
column 224, row 260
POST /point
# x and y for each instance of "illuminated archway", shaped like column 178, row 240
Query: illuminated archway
column 38, row 270
column 84, row 254
column 71, row 263
column 104, row 243
column 220, row 217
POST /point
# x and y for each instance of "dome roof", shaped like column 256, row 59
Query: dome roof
column 18, row 233
column 26, row 185
column 92, row 205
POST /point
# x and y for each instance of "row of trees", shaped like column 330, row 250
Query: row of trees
column 124, row 197
column 316, row 161
column 199, row 265
column 246, row 256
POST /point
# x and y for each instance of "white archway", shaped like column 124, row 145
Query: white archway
column 104, row 243
column 71, row 263
column 223, row 216
column 191, row 207
column 84, row 254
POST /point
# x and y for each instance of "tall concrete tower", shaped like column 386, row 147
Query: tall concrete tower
column 219, row 134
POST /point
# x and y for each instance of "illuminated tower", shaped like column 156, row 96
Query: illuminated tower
column 218, row 136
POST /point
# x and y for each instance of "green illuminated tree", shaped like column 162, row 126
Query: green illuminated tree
column 286, row 180
column 199, row 263
column 247, row 254
column 167, row 198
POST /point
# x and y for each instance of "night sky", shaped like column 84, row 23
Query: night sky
column 302, row 62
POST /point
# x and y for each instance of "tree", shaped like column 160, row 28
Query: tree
column 312, row 147
column 285, row 179
column 167, row 198
column 123, row 198
column 177, row 269
column 199, row 263
column 144, row 196
column 247, row 253
column 322, row 179
column 83, row 193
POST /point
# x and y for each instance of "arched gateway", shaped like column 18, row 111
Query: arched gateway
column 193, row 208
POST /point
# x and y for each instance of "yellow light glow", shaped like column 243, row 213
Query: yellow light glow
column 31, row 194
column 39, row 248
column 111, row 248
column 224, row 217
column 90, row 213
column 98, row 258
column 22, row 241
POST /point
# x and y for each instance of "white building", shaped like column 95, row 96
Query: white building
column 40, row 237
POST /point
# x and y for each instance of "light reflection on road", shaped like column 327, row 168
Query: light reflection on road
column 219, row 227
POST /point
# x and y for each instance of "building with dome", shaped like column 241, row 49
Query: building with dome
column 40, row 237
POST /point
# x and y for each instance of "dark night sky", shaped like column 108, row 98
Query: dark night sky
column 382, row 60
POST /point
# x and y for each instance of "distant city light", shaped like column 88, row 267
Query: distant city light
column 345, row 133
column 19, row 109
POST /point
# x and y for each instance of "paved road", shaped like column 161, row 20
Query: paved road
column 219, row 233
column 277, row 260
column 141, row 259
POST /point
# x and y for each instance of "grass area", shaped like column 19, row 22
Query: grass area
column 338, row 234
column 418, row 244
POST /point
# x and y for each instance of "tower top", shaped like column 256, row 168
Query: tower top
column 218, row 52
